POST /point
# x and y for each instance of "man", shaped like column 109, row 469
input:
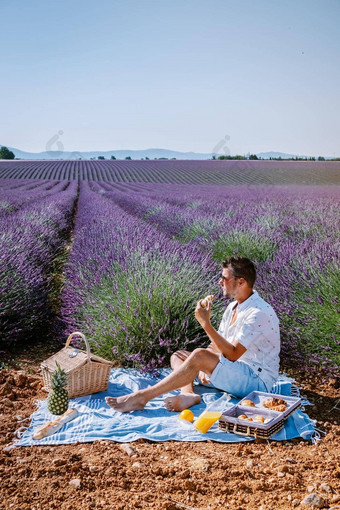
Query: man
column 243, row 355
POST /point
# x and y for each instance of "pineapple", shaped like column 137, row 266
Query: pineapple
column 58, row 399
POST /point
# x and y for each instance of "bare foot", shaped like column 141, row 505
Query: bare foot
column 127, row 403
column 182, row 401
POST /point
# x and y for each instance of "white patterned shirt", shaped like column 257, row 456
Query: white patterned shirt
column 257, row 329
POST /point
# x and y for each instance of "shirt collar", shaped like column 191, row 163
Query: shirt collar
column 248, row 302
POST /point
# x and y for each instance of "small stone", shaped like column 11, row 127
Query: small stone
column 250, row 463
column 295, row 502
column 20, row 380
column 36, row 384
column 310, row 488
column 326, row 488
column 281, row 475
column 271, row 480
column 75, row 482
column 59, row 461
column 7, row 402
column 184, row 474
column 6, row 389
column 93, row 469
column 315, row 501
column 18, row 417
column 289, row 497
column 127, row 448
column 336, row 498
column 292, row 461
column 136, row 465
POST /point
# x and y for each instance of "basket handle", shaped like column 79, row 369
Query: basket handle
column 241, row 433
column 85, row 340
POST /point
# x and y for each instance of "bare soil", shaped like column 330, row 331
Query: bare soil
column 171, row 475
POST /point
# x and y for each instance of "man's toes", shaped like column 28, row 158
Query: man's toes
column 110, row 401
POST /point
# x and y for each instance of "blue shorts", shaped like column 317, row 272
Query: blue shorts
column 236, row 377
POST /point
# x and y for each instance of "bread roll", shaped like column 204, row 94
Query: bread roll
column 248, row 403
column 259, row 419
column 242, row 417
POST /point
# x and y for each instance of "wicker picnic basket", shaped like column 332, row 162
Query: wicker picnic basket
column 86, row 373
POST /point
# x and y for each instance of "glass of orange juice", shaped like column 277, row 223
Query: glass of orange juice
column 211, row 414
column 206, row 420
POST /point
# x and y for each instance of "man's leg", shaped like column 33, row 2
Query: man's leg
column 183, row 376
column 188, row 397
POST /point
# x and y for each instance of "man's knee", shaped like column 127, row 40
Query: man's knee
column 179, row 355
column 198, row 355
column 205, row 360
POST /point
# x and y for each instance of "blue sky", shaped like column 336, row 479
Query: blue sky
column 179, row 74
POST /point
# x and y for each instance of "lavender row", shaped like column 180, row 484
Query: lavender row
column 32, row 241
column 16, row 194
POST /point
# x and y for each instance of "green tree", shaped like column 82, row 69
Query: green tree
column 128, row 157
column 113, row 157
column 6, row 153
column 101, row 157
column 253, row 156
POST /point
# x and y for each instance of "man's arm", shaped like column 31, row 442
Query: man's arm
column 218, row 342
column 229, row 351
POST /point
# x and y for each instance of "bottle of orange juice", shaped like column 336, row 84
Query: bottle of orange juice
column 211, row 414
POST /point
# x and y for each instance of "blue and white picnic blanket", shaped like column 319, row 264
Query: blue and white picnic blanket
column 97, row 421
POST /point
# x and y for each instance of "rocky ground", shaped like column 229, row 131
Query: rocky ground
column 105, row 475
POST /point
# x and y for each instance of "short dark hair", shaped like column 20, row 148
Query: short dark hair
column 241, row 267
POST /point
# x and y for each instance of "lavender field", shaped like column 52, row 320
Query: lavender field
column 225, row 172
column 126, row 263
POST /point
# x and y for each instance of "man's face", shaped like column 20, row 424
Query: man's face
column 228, row 283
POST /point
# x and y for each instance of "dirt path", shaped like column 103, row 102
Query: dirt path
column 261, row 476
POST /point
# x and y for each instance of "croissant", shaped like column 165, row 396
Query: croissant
column 280, row 408
column 270, row 403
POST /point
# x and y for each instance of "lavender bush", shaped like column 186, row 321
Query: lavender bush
column 32, row 239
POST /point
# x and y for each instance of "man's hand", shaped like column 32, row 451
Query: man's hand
column 203, row 378
column 202, row 315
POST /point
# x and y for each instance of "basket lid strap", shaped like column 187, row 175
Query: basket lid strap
column 85, row 340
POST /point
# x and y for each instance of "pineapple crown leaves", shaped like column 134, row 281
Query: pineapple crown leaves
column 59, row 378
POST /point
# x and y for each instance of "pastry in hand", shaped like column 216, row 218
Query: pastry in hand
column 248, row 403
column 208, row 299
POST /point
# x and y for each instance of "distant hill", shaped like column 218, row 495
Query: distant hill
column 118, row 154
column 134, row 154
